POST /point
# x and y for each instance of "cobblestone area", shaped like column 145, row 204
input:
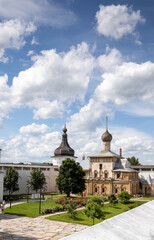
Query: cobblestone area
column 23, row 228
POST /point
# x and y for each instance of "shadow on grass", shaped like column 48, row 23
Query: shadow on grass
column 116, row 207
column 19, row 214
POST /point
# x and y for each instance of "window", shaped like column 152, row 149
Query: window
column 100, row 166
column 0, row 167
column 118, row 175
column 5, row 168
column 56, row 169
column 103, row 190
column 26, row 168
column 106, row 175
column 96, row 189
column 48, row 169
column 43, row 169
column 95, row 174
column 18, row 168
column 116, row 190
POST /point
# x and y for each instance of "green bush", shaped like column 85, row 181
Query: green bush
column 71, row 209
column 112, row 199
column 124, row 197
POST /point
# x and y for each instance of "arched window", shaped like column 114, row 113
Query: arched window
column 106, row 174
column 116, row 190
column 118, row 175
column 95, row 189
column 95, row 174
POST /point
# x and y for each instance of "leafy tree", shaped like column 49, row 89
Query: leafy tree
column 93, row 209
column 37, row 180
column 71, row 209
column 112, row 199
column 11, row 182
column 124, row 196
column 97, row 200
column 133, row 161
column 70, row 177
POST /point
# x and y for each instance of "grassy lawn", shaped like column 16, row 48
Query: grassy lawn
column 30, row 209
column 147, row 198
column 109, row 211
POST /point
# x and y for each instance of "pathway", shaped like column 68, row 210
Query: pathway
column 23, row 228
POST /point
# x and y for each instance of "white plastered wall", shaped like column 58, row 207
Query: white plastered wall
column 1, row 186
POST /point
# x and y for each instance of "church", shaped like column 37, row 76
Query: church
column 109, row 172
column 106, row 172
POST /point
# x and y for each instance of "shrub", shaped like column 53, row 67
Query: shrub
column 66, row 200
column 124, row 197
column 71, row 210
column 97, row 200
column 93, row 210
column 112, row 199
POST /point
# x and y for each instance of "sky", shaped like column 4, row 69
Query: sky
column 76, row 61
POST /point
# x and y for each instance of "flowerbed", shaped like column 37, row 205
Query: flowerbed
column 66, row 200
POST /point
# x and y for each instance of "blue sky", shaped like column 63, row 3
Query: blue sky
column 76, row 61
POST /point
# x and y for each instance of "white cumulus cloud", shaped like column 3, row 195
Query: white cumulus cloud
column 34, row 129
column 129, row 82
column 117, row 20
column 60, row 76
column 12, row 35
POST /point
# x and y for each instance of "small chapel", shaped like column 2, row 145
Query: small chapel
column 109, row 172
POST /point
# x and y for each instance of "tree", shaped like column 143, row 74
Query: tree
column 37, row 180
column 11, row 181
column 93, row 208
column 112, row 199
column 124, row 196
column 133, row 161
column 70, row 177
column 71, row 209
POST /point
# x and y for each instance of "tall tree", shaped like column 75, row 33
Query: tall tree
column 71, row 177
column 133, row 161
column 37, row 180
column 11, row 182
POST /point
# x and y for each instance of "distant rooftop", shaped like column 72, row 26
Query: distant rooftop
column 106, row 154
column 142, row 166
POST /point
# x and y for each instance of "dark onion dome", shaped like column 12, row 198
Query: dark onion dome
column 64, row 148
column 106, row 137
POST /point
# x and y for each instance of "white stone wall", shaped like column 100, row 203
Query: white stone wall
column 57, row 160
column 24, row 170
column 107, row 167
column 1, row 186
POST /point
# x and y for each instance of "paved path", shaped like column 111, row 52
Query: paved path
column 23, row 228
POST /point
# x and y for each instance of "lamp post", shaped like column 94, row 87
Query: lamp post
column 40, row 203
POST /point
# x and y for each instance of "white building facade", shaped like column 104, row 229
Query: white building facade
column 24, row 170
column 1, row 186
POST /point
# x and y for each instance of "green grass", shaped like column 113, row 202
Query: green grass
column 30, row 209
column 109, row 211
column 147, row 198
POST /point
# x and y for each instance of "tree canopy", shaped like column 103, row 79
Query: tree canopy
column 71, row 177
column 93, row 208
column 11, row 181
column 133, row 161
column 37, row 180
column 124, row 196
